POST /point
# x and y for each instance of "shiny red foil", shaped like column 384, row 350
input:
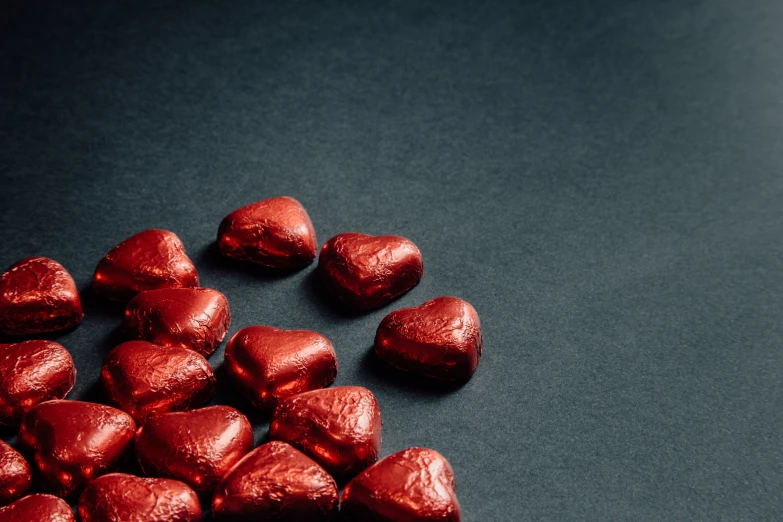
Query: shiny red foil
column 275, row 232
column 73, row 442
column 118, row 497
column 197, row 447
column 143, row 379
column 440, row 339
column 267, row 363
column 413, row 485
column 339, row 428
column 38, row 295
column 195, row 318
column 146, row 261
column 15, row 474
column 276, row 482
column 366, row 272
column 37, row 508
column 32, row 372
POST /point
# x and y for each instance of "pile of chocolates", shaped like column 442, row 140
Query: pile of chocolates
column 159, row 380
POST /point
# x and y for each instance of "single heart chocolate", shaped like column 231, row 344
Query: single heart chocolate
column 275, row 232
column 37, row 508
column 276, row 482
column 366, row 272
column 440, row 339
column 146, row 261
column 38, row 295
column 413, row 485
column 143, row 379
column 197, row 447
column 32, row 372
column 339, row 428
column 15, row 474
column 195, row 318
column 73, row 442
column 118, row 497
column 267, row 363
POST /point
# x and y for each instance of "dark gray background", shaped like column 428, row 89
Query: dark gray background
column 601, row 180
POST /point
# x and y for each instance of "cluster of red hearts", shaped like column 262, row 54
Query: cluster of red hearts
column 158, row 382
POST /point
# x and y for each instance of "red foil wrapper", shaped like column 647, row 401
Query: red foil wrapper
column 366, row 272
column 195, row 318
column 414, row 485
column 149, row 260
column 15, row 474
column 32, row 372
column 276, row 233
column 73, row 442
column 197, row 447
column 38, row 295
column 37, row 508
column 339, row 428
column 267, row 363
column 143, row 379
column 276, row 482
column 118, row 497
column 440, row 339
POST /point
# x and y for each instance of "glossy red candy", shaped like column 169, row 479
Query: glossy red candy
column 32, row 372
column 148, row 260
column 266, row 363
column 413, row 485
column 38, row 295
column 118, row 497
column 73, row 442
column 440, row 339
column 275, row 232
column 142, row 379
column 369, row 271
column 276, row 482
column 15, row 474
column 197, row 447
column 195, row 318
column 340, row 428
column 37, row 508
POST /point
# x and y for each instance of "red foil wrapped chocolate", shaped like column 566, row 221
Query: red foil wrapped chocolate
column 413, row 485
column 366, row 272
column 146, row 261
column 73, row 442
column 143, row 379
column 15, row 474
column 195, row 318
column 276, row 482
column 275, row 232
column 38, row 295
column 32, row 372
column 339, row 428
column 37, row 508
column 267, row 363
column 197, row 447
column 118, row 497
column 440, row 339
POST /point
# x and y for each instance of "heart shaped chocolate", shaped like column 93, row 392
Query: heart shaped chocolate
column 339, row 428
column 195, row 318
column 118, row 497
column 15, row 474
column 143, row 379
column 148, row 260
column 197, row 447
column 440, row 339
column 276, row 482
column 32, row 372
column 37, row 508
column 267, row 363
column 38, row 295
column 413, row 485
column 366, row 272
column 275, row 232
column 73, row 442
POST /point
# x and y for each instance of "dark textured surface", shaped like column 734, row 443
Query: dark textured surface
column 602, row 180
